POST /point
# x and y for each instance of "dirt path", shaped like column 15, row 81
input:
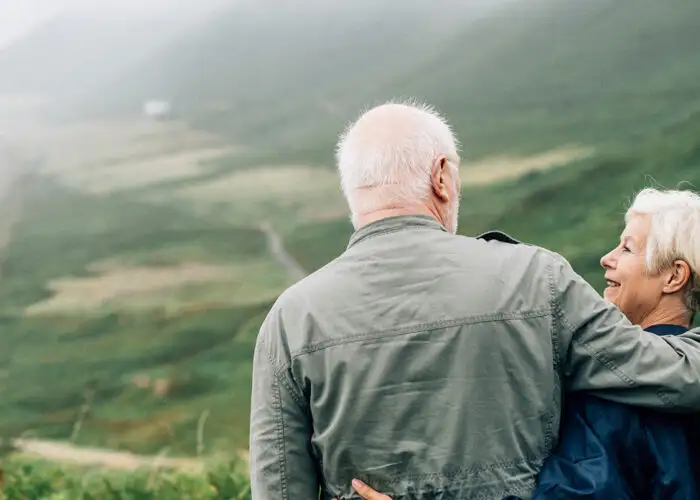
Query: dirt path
column 276, row 248
column 501, row 168
column 80, row 455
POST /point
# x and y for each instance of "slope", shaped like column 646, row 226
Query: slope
column 146, row 367
column 541, row 73
column 522, row 75
column 602, row 71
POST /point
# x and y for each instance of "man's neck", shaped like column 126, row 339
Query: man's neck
column 368, row 218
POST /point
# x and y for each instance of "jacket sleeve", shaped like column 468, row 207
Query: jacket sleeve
column 281, row 464
column 602, row 352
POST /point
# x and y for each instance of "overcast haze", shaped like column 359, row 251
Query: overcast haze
column 107, row 57
column 17, row 17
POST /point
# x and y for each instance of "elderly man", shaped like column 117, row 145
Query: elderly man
column 432, row 365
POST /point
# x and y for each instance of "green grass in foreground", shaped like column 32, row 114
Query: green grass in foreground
column 34, row 480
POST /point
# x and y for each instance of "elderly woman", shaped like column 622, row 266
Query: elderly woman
column 608, row 450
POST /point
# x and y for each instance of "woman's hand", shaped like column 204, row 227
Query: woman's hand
column 366, row 492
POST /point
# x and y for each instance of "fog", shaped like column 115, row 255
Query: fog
column 19, row 17
column 214, row 58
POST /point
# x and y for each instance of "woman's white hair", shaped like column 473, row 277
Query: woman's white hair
column 385, row 157
column 674, row 234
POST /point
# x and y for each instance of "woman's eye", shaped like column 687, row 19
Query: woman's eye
column 626, row 249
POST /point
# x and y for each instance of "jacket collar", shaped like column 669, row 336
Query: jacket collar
column 666, row 329
column 394, row 223
column 399, row 222
column 498, row 236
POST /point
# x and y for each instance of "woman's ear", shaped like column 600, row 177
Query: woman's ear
column 678, row 277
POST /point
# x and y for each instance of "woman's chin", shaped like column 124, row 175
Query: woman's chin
column 610, row 293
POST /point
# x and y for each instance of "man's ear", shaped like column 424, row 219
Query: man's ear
column 438, row 179
column 678, row 277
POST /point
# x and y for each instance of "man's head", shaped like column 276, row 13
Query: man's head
column 400, row 159
column 653, row 273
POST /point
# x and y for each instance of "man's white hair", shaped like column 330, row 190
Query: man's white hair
column 385, row 157
column 674, row 234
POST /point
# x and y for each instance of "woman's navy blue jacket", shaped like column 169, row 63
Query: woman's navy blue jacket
column 608, row 451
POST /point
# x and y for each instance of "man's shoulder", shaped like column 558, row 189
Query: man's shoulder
column 317, row 280
column 310, row 289
column 501, row 241
column 291, row 322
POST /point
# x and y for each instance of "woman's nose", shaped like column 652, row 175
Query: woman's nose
column 607, row 261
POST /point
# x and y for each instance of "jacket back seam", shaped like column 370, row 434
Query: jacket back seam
column 421, row 327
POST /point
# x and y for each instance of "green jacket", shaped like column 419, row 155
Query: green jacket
column 433, row 366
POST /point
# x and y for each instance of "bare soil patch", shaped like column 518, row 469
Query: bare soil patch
column 499, row 168
column 172, row 286
column 305, row 192
column 267, row 181
column 139, row 173
column 68, row 453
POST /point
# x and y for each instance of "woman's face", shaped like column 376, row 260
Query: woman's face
column 636, row 293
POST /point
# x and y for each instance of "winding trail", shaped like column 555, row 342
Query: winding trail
column 276, row 248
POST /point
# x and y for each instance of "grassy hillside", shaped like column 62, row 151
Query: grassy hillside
column 542, row 73
column 113, row 358
column 139, row 270
column 604, row 72
column 160, row 332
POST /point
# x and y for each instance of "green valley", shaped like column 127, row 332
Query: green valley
column 140, row 256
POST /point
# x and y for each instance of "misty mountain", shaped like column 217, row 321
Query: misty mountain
column 275, row 54
column 291, row 74
column 77, row 50
column 629, row 63
column 536, row 74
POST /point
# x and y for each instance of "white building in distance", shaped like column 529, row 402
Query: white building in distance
column 157, row 109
